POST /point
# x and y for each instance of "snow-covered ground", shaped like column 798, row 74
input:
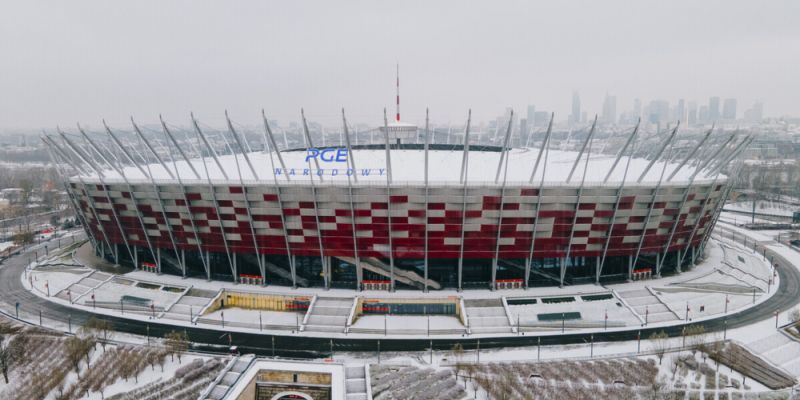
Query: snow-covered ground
column 592, row 311
column 395, row 323
column 235, row 314
column 764, row 207
column 5, row 245
column 661, row 302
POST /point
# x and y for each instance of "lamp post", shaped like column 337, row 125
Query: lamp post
column 725, row 329
column 726, row 303
column 638, row 341
column 538, row 348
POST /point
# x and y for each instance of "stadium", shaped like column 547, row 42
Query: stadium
column 400, row 212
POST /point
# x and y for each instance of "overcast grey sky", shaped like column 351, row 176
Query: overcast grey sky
column 68, row 61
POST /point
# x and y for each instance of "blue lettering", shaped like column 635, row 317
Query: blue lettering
column 320, row 172
column 292, row 172
column 334, row 172
column 278, row 171
column 305, row 172
column 324, row 157
column 364, row 172
column 349, row 172
column 381, row 170
column 312, row 153
column 341, row 155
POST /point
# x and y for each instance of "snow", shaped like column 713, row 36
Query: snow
column 667, row 301
column 235, row 314
column 407, row 322
column 113, row 292
column 408, row 167
column 593, row 311
column 148, row 375
column 763, row 207
column 5, row 245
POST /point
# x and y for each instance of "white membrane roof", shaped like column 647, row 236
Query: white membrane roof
column 408, row 167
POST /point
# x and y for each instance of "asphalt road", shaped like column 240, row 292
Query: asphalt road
column 294, row 346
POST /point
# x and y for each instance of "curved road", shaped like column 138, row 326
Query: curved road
column 287, row 345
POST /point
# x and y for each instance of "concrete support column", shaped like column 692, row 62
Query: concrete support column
column 494, row 274
column 630, row 267
column 658, row 262
column 597, row 270
column 293, row 261
column 234, row 268
column 208, row 271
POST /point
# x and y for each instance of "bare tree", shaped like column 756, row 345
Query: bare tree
column 696, row 335
column 77, row 349
column 12, row 352
column 177, row 342
column 659, row 341
column 100, row 329
column 458, row 355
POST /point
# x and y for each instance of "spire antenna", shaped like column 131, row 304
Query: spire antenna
column 397, row 116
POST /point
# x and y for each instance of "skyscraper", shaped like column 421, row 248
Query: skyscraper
column 610, row 109
column 702, row 115
column 729, row 109
column 523, row 133
column 658, row 111
column 691, row 115
column 576, row 108
column 713, row 108
column 756, row 113
column 680, row 111
column 531, row 113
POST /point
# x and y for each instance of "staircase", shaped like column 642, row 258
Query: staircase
column 329, row 314
column 355, row 381
column 486, row 316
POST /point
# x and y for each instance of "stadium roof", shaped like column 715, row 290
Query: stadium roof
column 408, row 168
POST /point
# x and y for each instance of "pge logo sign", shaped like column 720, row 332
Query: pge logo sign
column 336, row 154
